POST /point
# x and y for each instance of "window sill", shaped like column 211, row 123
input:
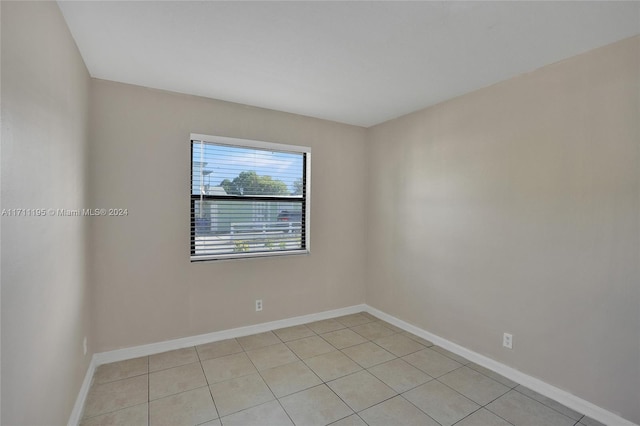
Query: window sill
column 236, row 256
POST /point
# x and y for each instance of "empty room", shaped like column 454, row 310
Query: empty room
column 302, row 213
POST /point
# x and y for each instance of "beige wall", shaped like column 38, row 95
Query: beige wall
column 516, row 209
column 45, row 96
column 146, row 289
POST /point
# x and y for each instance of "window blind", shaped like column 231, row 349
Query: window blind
column 248, row 198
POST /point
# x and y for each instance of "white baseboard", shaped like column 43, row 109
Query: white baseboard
column 155, row 348
column 78, row 408
column 575, row 403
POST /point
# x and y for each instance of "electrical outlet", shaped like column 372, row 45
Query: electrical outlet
column 507, row 340
column 84, row 345
column 258, row 305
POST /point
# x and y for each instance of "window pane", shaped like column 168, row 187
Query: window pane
column 230, row 226
column 229, row 170
column 247, row 199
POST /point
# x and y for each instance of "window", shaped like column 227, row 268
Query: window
column 248, row 198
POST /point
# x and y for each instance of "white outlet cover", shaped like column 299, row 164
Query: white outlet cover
column 507, row 340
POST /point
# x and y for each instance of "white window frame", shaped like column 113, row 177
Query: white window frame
column 247, row 143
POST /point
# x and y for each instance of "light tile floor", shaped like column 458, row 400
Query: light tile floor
column 351, row 370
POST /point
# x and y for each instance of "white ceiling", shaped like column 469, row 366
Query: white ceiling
column 354, row 62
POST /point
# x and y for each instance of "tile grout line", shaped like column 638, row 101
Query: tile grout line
column 267, row 384
column 468, row 415
column 548, row 406
column 199, row 360
column 481, row 406
column 148, row 392
column 323, row 382
column 432, row 378
column 360, row 365
column 206, row 379
column 543, row 404
column 496, row 414
column 419, row 409
column 112, row 411
column 363, row 369
column 85, row 417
